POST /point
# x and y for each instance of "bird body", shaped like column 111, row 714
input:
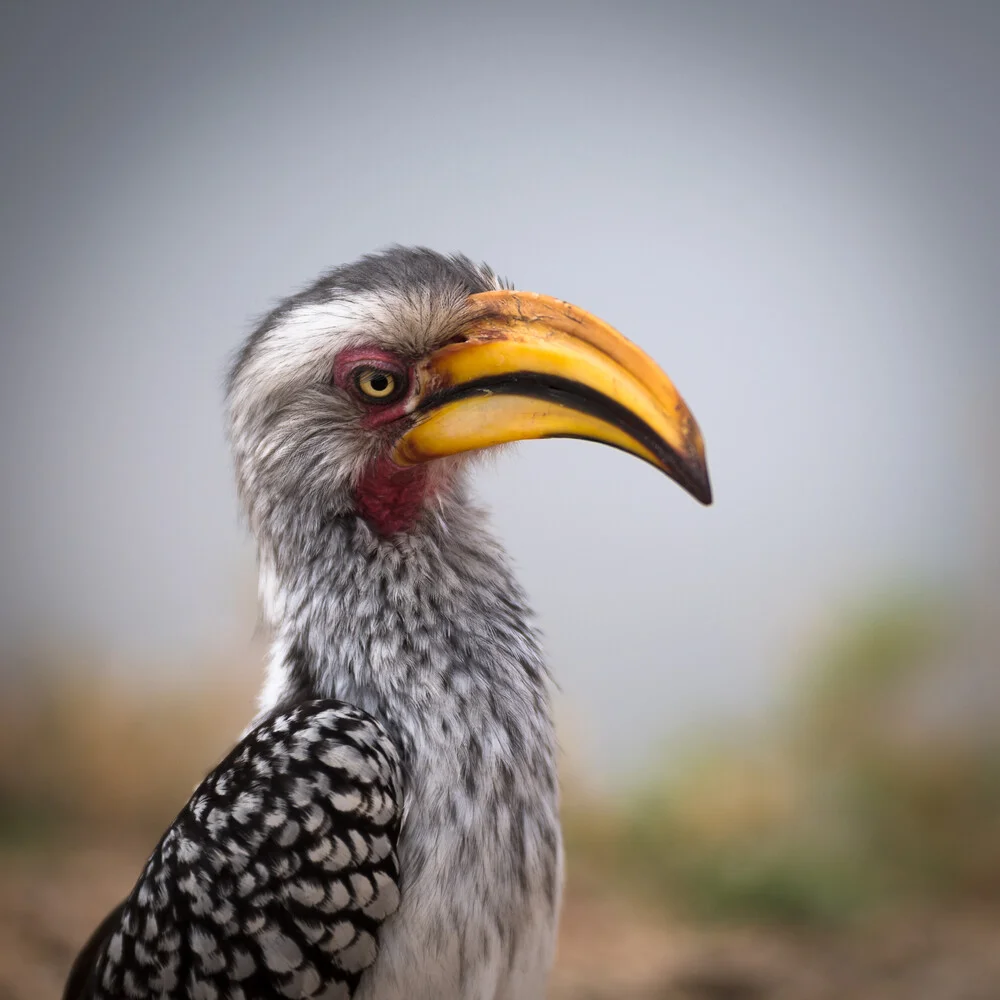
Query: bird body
column 275, row 876
column 388, row 825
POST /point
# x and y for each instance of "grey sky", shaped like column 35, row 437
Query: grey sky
column 794, row 207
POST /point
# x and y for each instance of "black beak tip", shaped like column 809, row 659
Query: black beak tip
column 696, row 481
column 702, row 491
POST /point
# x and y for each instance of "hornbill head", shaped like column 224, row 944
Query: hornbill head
column 366, row 392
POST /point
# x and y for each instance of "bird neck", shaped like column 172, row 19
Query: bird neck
column 409, row 627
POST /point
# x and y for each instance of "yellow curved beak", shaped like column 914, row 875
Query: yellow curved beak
column 529, row 366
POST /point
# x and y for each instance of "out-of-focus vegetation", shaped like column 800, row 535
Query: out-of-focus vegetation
column 877, row 783
column 88, row 752
column 877, row 786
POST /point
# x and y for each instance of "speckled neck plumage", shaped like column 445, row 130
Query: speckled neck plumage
column 428, row 631
column 398, row 618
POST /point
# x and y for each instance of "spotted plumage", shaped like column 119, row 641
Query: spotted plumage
column 388, row 827
column 275, row 878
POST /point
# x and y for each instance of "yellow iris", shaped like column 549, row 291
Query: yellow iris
column 377, row 384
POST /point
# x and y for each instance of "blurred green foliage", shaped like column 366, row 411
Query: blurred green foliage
column 879, row 784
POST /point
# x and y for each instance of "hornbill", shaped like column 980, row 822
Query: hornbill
column 388, row 825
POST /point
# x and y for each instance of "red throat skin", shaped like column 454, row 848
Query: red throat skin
column 391, row 498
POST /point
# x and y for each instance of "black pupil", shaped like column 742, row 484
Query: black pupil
column 379, row 382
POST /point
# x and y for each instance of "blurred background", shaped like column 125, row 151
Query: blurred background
column 780, row 716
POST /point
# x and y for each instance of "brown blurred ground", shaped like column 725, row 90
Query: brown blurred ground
column 611, row 945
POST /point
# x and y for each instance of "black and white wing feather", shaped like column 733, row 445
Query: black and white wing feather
column 273, row 880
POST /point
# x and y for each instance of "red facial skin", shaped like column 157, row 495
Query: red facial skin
column 376, row 414
column 388, row 496
column 391, row 498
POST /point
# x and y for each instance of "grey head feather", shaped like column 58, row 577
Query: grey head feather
column 395, row 273
column 298, row 442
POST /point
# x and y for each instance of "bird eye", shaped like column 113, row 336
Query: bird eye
column 378, row 385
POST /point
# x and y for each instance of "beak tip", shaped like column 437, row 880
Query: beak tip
column 694, row 465
column 700, row 488
column 694, row 469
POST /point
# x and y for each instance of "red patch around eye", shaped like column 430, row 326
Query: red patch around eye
column 347, row 362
